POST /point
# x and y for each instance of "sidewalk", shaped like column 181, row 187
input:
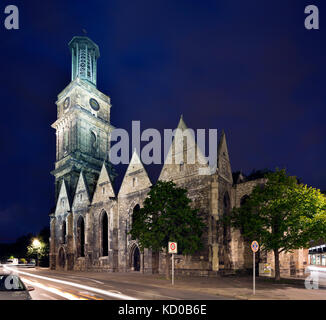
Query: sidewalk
column 238, row 287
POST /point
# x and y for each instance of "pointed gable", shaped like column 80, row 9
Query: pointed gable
column 136, row 177
column 184, row 157
column 63, row 203
column 223, row 160
column 81, row 199
column 104, row 189
column 182, row 125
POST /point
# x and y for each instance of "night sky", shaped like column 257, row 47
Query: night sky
column 248, row 67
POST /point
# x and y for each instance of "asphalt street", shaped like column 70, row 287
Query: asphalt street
column 53, row 286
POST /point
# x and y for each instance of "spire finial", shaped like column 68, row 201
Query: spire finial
column 84, row 32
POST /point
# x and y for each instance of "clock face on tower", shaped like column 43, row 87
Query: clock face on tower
column 94, row 104
column 66, row 103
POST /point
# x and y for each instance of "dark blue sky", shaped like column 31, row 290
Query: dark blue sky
column 249, row 67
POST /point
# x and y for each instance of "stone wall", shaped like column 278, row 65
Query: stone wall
column 292, row 264
column 224, row 249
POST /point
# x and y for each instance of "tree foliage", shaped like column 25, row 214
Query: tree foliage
column 38, row 251
column 19, row 249
column 282, row 215
column 168, row 216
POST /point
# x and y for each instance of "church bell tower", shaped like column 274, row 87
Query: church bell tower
column 84, row 55
column 83, row 121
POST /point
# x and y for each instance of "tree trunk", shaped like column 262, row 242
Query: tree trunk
column 142, row 261
column 277, row 265
column 167, row 264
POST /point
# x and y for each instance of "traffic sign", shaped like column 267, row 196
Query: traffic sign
column 173, row 247
column 254, row 246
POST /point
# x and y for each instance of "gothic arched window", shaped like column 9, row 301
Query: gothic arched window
column 105, row 234
column 135, row 213
column 64, row 231
column 243, row 200
column 93, row 143
column 80, row 237
column 226, row 211
column 65, row 140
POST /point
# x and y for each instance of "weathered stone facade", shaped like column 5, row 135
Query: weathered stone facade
column 90, row 224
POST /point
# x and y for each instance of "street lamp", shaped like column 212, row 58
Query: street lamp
column 37, row 245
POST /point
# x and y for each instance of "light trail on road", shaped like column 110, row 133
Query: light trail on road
column 315, row 268
column 66, row 295
column 73, row 284
column 74, row 277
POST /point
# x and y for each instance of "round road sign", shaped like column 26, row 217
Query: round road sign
column 254, row 246
column 172, row 247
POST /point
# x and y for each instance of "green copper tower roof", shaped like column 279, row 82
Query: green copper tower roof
column 84, row 53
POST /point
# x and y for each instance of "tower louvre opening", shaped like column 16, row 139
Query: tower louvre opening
column 84, row 55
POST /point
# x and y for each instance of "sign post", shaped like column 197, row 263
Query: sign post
column 172, row 269
column 254, row 272
column 254, row 248
column 173, row 250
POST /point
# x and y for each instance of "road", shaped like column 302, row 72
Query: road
column 51, row 285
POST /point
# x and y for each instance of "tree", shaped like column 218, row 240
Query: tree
column 168, row 216
column 282, row 215
column 38, row 249
column 19, row 248
column 44, row 236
